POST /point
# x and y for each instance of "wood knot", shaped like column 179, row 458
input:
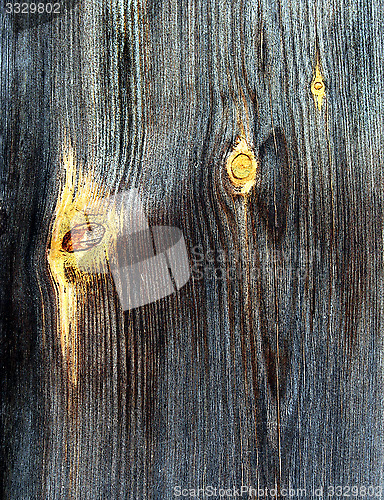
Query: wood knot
column 318, row 87
column 242, row 167
column 82, row 237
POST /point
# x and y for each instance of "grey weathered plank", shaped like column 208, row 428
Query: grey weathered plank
column 269, row 376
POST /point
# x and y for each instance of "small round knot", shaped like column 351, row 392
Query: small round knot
column 242, row 167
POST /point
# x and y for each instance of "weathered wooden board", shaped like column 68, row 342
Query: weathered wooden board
column 266, row 368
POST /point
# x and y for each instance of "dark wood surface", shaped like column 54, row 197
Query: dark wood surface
column 266, row 368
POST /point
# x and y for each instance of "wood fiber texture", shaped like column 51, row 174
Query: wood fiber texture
column 266, row 368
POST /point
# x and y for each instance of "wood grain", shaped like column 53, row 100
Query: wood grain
column 266, row 368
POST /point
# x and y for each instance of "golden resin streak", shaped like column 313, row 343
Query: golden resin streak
column 72, row 282
column 318, row 86
column 242, row 167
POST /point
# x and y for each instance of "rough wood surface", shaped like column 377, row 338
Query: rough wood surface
column 266, row 368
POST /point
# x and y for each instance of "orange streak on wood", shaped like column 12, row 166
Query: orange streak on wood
column 71, row 282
